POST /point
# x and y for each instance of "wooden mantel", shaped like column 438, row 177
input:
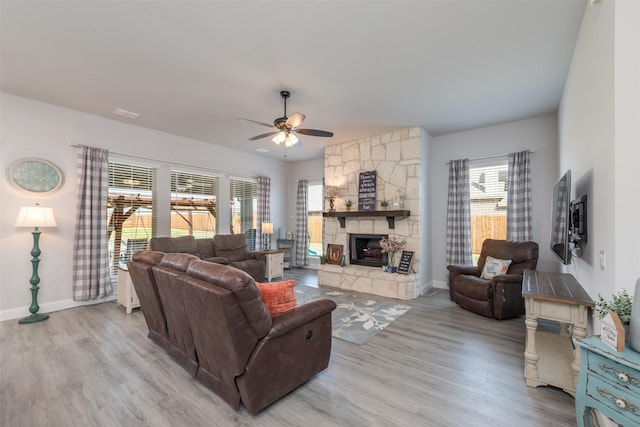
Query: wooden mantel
column 390, row 215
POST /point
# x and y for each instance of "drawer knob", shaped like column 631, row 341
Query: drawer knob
column 621, row 403
column 623, row 377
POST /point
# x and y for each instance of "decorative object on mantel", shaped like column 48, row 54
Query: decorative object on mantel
column 390, row 246
column 357, row 317
column 398, row 200
column 613, row 331
column 367, row 184
column 35, row 216
column 330, row 194
column 348, row 205
column 384, row 204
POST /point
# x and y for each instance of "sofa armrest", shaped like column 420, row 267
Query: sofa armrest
column 297, row 347
column 257, row 255
column 471, row 270
column 508, row 278
column 299, row 316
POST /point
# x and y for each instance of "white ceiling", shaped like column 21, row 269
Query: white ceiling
column 355, row 68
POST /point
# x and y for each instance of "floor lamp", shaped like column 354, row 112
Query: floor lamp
column 267, row 229
column 35, row 216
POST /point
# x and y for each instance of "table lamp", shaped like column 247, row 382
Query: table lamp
column 267, row 229
column 35, row 216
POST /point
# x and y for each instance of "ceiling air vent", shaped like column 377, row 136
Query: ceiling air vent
column 125, row 113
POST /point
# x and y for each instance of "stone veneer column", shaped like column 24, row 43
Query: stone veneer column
column 396, row 159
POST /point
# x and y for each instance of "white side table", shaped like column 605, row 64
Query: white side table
column 275, row 264
column 127, row 296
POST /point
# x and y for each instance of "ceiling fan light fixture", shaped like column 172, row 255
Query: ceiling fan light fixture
column 290, row 140
column 279, row 138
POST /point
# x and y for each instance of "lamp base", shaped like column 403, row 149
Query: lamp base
column 35, row 317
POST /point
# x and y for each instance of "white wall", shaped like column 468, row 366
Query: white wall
column 538, row 134
column 35, row 129
column 598, row 140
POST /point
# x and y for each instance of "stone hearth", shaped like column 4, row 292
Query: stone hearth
column 370, row 280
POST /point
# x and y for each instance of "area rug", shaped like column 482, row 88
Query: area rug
column 357, row 318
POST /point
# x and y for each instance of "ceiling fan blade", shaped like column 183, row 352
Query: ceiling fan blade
column 257, row 122
column 295, row 120
column 264, row 135
column 314, row 132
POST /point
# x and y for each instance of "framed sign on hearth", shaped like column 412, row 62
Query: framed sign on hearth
column 404, row 265
column 334, row 254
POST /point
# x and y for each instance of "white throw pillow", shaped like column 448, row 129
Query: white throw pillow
column 495, row 267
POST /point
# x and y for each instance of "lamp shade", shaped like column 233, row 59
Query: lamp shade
column 35, row 216
column 267, row 227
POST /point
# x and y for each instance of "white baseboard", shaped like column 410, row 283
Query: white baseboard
column 440, row 284
column 50, row 307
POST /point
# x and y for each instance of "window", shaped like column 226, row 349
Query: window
column 193, row 204
column 129, row 211
column 488, row 194
column 243, row 199
column 315, row 204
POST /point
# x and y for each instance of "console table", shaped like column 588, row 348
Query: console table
column 609, row 382
column 550, row 358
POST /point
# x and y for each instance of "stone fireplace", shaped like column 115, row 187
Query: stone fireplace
column 396, row 158
column 364, row 249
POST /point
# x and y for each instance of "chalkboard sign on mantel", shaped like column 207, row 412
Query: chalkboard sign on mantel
column 405, row 262
column 367, row 191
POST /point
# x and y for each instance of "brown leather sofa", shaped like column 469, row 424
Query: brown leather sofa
column 144, row 282
column 242, row 354
column 500, row 297
column 228, row 249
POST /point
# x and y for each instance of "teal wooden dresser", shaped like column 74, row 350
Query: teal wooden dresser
column 609, row 381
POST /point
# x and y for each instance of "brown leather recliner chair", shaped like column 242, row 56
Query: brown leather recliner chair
column 244, row 354
column 500, row 297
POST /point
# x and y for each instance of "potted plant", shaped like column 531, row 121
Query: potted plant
column 390, row 246
column 348, row 204
column 384, row 204
column 323, row 259
column 621, row 303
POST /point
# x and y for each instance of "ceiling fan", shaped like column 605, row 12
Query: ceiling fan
column 287, row 126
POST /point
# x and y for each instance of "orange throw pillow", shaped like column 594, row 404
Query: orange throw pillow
column 278, row 296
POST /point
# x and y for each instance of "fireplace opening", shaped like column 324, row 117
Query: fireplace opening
column 364, row 249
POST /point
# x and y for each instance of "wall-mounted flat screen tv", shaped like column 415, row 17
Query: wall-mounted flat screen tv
column 560, row 219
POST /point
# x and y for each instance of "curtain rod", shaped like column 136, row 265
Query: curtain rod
column 491, row 157
column 170, row 163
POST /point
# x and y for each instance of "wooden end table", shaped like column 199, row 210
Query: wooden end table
column 550, row 358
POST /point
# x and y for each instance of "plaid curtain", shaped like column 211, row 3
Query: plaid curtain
column 519, row 198
column 459, row 214
column 91, row 277
column 264, row 208
column 301, row 223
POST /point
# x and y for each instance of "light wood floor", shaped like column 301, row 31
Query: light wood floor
column 438, row 365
